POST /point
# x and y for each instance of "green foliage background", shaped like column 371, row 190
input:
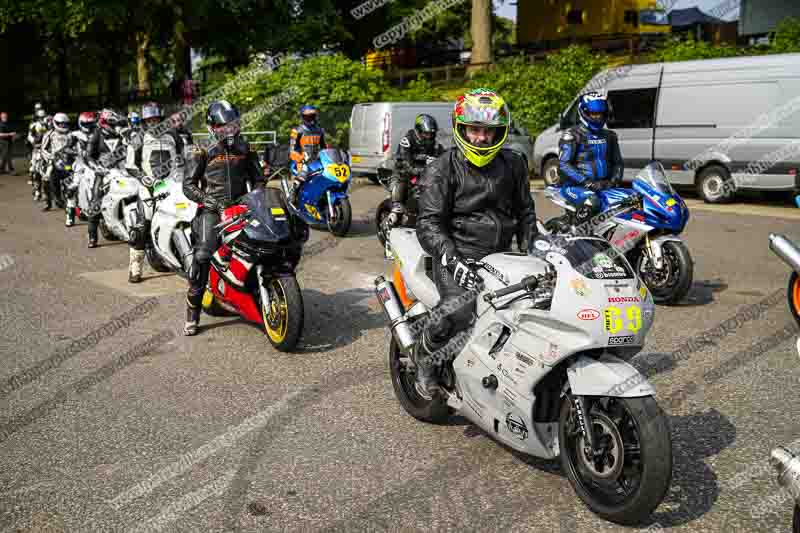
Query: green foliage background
column 536, row 92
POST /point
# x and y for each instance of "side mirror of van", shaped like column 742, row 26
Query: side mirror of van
column 562, row 122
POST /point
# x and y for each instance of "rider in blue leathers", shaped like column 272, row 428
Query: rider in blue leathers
column 589, row 156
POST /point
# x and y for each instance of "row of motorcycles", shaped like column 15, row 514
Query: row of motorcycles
column 261, row 236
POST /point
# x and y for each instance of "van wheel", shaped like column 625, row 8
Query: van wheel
column 714, row 185
column 550, row 172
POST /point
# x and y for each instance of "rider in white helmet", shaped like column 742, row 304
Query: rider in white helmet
column 53, row 142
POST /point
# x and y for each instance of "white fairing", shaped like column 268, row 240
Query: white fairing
column 584, row 314
column 173, row 213
column 119, row 203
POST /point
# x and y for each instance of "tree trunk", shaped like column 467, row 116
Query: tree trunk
column 63, row 75
column 142, row 66
column 481, row 32
column 181, row 51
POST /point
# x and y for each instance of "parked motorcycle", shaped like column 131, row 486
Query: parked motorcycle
column 543, row 369
column 789, row 252
column 120, row 192
column 649, row 237
column 323, row 198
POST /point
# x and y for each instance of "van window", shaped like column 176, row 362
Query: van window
column 571, row 116
column 632, row 108
column 720, row 105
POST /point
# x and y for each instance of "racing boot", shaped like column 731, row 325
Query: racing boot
column 135, row 266
column 93, row 233
column 426, row 379
column 192, row 319
column 48, row 202
column 70, row 217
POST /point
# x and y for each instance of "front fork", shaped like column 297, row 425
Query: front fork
column 653, row 253
column 262, row 290
column 587, row 430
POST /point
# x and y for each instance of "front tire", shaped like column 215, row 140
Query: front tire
column 633, row 474
column 793, row 296
column 343, row 219
column 671, row 284
column 283, row 319
column 380, row 217
column 434, row 411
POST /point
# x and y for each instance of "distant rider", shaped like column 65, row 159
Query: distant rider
column 305, row 143
column 36, row 132
column 589, row 156
column 416, row 150
column 157, row 155
column 104, row 152
column 53, row 142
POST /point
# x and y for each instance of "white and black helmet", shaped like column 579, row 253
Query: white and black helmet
column 61, row 123
column 151, row 110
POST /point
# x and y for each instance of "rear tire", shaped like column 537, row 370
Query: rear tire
column 550, row 172
column 793, row 296
column 107, row 233
column 283, row 320
column 646, row 454
column 155, row 261
column 711, row 185
column 434, row 411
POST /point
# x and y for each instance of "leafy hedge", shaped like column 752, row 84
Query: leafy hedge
column 535, row 92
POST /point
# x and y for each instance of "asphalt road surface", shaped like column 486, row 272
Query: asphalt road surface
column 126, row 425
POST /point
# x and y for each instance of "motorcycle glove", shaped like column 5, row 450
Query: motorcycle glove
column 462, row 270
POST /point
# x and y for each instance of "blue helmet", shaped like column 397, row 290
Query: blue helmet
column 309, row 110
column 593, row 110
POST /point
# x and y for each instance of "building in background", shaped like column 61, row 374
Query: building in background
column 757, row 18
column 553, row 23
column 702, row 26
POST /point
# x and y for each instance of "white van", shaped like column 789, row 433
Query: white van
column 706, row 121
column 377, row 127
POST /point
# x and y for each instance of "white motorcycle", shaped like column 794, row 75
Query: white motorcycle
column 120, row 192
column 170, row 214
column 543, row 369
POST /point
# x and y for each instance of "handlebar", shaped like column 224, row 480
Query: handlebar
column 529, row 283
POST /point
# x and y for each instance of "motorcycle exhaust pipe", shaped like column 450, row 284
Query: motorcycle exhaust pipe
column 184, row 249
column 787, row 465
column 786, row 250
column 395, row 314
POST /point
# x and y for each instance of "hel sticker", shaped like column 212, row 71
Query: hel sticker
column 542, row 245
column 277, row 211
column 588, row 314
column 671, row 202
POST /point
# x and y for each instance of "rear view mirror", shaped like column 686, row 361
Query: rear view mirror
column 562, row 123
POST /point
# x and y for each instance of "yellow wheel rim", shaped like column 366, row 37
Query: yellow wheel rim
column 276, row 318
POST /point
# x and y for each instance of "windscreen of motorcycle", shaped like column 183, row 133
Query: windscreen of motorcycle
column 268, row 216
column 593, row 257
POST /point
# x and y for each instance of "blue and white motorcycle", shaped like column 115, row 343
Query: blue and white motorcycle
column 649, row 237
column 323, row 199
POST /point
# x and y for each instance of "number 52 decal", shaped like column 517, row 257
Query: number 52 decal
column 614, row 320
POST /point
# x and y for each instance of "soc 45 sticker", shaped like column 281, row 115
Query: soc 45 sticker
column 625, row 339
column 588, row 314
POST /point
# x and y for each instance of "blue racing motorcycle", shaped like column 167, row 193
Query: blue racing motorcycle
column 323, row 199
column 648, row 236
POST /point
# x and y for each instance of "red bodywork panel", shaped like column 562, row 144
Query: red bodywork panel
column 243, row 302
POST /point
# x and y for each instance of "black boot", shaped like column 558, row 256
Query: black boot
column 93, row 234
column 426, row 378
column 192, row 320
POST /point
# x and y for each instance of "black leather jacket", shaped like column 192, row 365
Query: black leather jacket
column 473, row 212
column 221, row 173
column 412, row 156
